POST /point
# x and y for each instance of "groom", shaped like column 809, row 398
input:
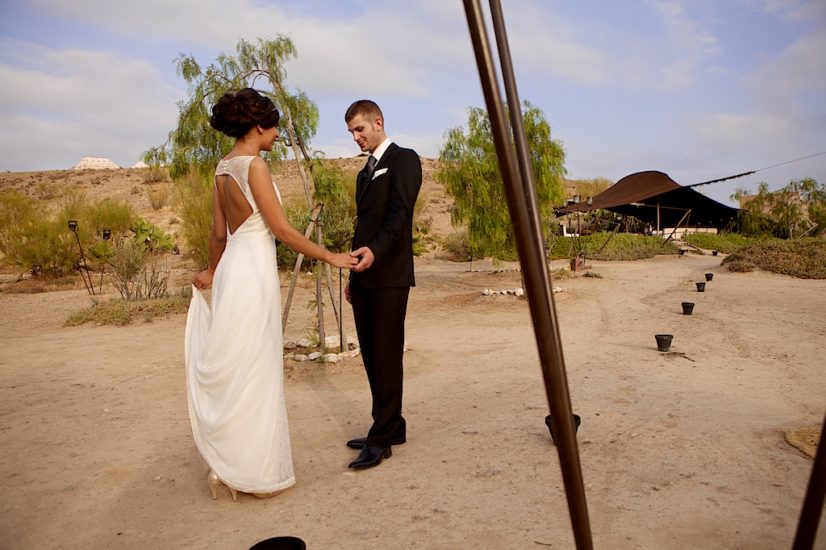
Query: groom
column 386, row 191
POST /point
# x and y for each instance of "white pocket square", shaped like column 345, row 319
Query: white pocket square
column 378, row 173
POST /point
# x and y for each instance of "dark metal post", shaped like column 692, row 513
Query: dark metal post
column 521, row 196
column 813, row 502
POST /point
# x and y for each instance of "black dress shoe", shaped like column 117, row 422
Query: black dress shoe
column 361, row 442
column 371, row 456
column 550, row 424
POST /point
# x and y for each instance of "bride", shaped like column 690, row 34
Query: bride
column 234, row 350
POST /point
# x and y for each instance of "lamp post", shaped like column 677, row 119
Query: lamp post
column 107, row 234
column 88, row 284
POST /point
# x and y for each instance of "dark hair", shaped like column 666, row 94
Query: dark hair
column 362, row 107
column 235, row 113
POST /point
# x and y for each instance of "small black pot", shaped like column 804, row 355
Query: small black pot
column 682, row 252
column 701, row 287
column 714, row 252
column 709, row 276
column 663, row 341
column 549, row 422
column 280, row 543
column 688, row 307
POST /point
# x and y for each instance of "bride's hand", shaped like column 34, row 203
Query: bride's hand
column 343, row 260
column 203, row 280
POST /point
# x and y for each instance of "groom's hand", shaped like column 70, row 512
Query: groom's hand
column 366, row 258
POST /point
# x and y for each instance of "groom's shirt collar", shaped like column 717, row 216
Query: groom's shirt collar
column 381, row 149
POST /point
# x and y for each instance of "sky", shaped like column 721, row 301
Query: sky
column 698, row 89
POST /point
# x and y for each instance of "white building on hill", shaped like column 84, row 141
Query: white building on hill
column 95, row 163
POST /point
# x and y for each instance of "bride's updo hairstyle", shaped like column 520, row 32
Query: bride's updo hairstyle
column 235, row 113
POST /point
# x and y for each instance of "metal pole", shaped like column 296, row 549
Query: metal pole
column 521, row 197
column 813, row 502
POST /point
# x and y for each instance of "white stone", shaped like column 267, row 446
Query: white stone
column 95, row 163
column 332, row 341
column 487, row 292
column 303, row 343
column 330, row 358
column 355, row 352
column 140, row 164
column 314, row 355
column 519, row 292
column 289, row 344
column 558, row 289
column 300, row 357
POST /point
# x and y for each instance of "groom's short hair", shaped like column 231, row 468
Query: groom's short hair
column 363, row 107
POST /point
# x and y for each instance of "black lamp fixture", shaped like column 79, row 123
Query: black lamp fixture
column 107, row 234
column 73, row 225
column 590, row 201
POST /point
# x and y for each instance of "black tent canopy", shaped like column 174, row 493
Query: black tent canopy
column 655, row 198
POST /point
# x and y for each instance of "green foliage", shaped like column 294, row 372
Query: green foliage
column 803, row 258
column 469, row 169
column 798, row 209
column 591, row 187
column 337, row 194
column 40, row 242
column 194, row 144
column 122, row 312
column 724, row 242
column 622, row 247
column 138, row 273
column 151, row 238
column 194, row 206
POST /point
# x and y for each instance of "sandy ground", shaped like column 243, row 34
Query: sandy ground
column 678, row 451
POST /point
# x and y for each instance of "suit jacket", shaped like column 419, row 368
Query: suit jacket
column 384, row 224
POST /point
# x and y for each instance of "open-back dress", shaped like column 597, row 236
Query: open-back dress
column 234, row 358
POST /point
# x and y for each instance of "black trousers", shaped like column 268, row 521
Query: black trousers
column 379, row 314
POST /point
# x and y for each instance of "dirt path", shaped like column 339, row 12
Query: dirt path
column 680, row 450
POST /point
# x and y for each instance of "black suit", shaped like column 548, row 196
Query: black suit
column 379, row 294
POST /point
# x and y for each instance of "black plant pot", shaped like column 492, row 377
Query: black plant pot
column 280, row 543
column 701, row 287
column 549, row 422
column 688, row 307
column 682, row 252
column 709, row 276
column 663, row 341
column 714, row 252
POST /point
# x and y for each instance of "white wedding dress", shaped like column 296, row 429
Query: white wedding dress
column 234, row 359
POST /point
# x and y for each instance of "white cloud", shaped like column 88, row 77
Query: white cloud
column 116, row 107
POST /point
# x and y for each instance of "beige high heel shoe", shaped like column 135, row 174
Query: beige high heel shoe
column 213, row 482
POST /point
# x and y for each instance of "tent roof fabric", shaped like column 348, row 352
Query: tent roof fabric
column 643, row 194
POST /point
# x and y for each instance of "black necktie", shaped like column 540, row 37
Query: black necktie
column 371, row 166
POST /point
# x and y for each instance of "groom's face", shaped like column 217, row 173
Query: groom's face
column 367, row 131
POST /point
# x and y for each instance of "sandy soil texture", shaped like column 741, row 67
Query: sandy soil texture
column 680, row 450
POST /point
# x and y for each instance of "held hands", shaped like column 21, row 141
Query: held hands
column 365, row 259
column 343, row 260
column 203, row 280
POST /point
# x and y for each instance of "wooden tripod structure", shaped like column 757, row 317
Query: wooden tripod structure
column 314, row 226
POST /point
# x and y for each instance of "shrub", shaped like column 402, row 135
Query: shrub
column 122, row 312
column 138, row 273
column 802, row 258
column 622, row 246
column 724, row 242
column 158, row 197
column 194, row 205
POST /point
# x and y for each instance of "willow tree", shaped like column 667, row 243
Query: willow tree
column 469, row 169
column 194, row 148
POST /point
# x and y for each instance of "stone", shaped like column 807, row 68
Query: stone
column 289, row 344
column 332, row 341
column 314, row 355
column 330, row 358
column 300, row 357
column 303, row 343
